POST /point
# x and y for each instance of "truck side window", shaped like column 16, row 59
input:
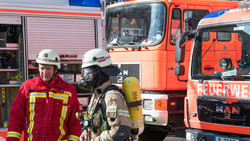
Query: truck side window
column 239, row 37
column 192, row 17
column 205, row 36
column 175, row 26
column 223, row 36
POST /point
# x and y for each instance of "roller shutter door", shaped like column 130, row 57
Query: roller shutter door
column 66, row 36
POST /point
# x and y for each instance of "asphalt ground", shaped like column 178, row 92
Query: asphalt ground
column 171, row 137
column 174, row 139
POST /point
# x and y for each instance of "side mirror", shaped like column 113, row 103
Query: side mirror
column 180, row 47
column 179, row 70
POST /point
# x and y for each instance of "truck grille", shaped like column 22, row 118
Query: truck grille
column 127, row 70
column 230, row 111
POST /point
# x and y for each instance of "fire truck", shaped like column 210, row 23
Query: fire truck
column 217, row 106
column 70, row 27
column 140, row 38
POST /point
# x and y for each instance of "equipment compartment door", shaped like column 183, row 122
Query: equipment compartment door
column 64, row 35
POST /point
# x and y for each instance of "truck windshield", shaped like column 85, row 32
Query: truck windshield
column 135, row 25
column 222, row 52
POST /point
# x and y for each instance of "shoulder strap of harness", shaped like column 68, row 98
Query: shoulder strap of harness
column 114, row 87
column 101, row 104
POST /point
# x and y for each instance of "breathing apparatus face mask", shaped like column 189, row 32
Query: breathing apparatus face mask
column 89, row 78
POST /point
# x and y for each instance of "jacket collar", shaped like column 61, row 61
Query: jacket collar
column 57, row 82
column 101, row 88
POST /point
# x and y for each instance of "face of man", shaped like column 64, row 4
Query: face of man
column 46, row 71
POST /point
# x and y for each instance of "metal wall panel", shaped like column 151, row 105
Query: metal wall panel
column 10, row 20
column 66, row 36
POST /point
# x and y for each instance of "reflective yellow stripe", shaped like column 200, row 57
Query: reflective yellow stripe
column 31, row 118
column 59, row 95
column 104, row 126
column 38, row 94
column 67, row 93
column 91, row 110
column 62, row 118
column 123, row 113
column 111, row 109
column 64, row 97
column 33, row 96
column 14, row 134
column 137, row 123
column 103, row 136
column 73, row 138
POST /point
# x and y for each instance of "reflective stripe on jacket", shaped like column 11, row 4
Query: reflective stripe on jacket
column 45, row 111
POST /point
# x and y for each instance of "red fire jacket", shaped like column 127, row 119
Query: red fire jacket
column 45, row 111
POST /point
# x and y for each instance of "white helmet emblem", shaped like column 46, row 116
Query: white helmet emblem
column 45, row 55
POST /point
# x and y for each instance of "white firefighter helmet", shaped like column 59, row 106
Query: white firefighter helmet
column 49, row 57
column 100, row 58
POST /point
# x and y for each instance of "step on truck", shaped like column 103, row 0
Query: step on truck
column 140, row 38
column 217, row 106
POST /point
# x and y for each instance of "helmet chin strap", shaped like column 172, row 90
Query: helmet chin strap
column 101, row 79
column 92, row 89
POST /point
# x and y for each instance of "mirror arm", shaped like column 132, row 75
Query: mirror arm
column 180, row 79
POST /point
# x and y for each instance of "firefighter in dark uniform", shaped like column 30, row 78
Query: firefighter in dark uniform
column 110, row 121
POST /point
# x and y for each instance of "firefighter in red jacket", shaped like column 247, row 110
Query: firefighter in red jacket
column 45, row 106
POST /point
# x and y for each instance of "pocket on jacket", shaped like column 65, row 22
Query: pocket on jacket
column 36, row 110
column 60, row 109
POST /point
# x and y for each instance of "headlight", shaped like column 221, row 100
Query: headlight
column 224, row 63
column 147, row 104
column 189, row 136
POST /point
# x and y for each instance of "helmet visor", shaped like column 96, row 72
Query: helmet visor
column 88, row 78
column 88, row 73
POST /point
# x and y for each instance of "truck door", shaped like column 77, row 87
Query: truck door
column 183, row 18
